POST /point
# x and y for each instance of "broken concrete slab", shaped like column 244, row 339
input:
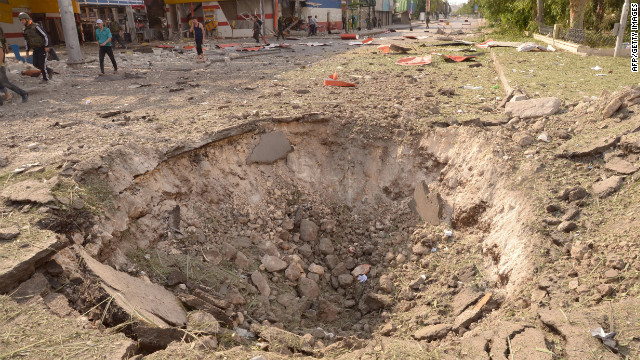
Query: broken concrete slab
column 202, row 322
column 373, row 301
column 527, row 109
column 9, row 233
column 433, row 332
column 272, row 147
column 36, row 286
column 427, row 204
column 604, row 188
column 21, row 266
column 31, row 191
column 611, row 108
column 615, row 164
column 147, row 302
column 530, row 345
column 464, row 299
column 588, row 148
column 470, row 315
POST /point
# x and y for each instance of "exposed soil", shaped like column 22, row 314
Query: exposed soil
column 239, row 208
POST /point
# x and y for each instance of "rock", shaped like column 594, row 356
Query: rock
column 272, row 147
column 21, row 266
column 433, row 332
column 273, row 263
column 571, row 214
column 151, row 339
column 283, row 341
column 4, row 161
column 328, row 225
column 611, row 274
column 235, row 297
column 604, row 188
column 325, row 246
column 375, row 302
column 631, row 143
column 36, row 286
column 345, row 280
column 305, row 250
column 202, row 322
column 362, row 269
column 175, row 277
column 567, row 226
column 327, row 311
column 386, row 284
column 544, row 138
column 427, row 204
column 419, row 249
column 615, row 262
column 316, row 269
column 523, row 139
column 294, row 272
column 142, row 300
column 388, row 329
column 308, row 288
column 242, row 261
column 308, row 230
column 579, row 250
column 228, row 251
column 551, row 221
column 261, row 283
column 464, row 299
column 527, row 109
column 30, row 191
column 605, row 290
column 573, row 193
column 208, row 343
column 9, row 233
column 195, row 302
column 611, row 108
column 620, row 166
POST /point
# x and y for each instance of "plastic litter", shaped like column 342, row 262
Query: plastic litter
column 469, row 87
column 607, row 338
column 434, row 249
column 423, row 276
column 244, row 333
column 526, row 47
column 362, row 278
column 448, row 233
column 596, row 68
column 87, row 101
column 333, row 81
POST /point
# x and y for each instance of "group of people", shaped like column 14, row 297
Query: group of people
column 313, row 25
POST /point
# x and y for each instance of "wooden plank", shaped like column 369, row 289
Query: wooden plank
column 501, row 76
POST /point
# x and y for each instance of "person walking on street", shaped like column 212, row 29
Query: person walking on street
column 4, row 81
column 315, row 25
column 198, row 30
column 257, row 28
column 36, row 38
column 115, row 29
column 344, row 24
column 103, row 35
column 427, row 20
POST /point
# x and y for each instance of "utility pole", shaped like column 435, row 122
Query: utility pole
column 262, row 16
column 623, row 25
column 70, row 33
column 131, row 24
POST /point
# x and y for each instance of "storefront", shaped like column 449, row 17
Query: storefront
column 45, row 12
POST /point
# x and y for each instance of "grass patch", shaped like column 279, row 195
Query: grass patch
column 563, row 75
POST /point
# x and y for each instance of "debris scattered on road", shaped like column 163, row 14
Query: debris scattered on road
column 415, row 60
column 399, row 49
column 333, row 81
column 607, row 338
column 458, row 58
column 362, row 278
column 526, row 47
column 349, row 36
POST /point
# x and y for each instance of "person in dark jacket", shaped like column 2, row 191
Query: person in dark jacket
column 257, row 28
column 38, row 41
column 198, row 30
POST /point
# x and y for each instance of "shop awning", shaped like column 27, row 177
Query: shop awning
column 111, row 2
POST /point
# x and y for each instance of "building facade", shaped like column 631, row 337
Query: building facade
column 45, row 12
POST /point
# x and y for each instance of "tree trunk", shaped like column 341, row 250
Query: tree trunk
column 540, row 17
column 577, row 8
column 599, row 7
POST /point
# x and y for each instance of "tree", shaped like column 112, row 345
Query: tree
column 540, row 15
column 576, row 10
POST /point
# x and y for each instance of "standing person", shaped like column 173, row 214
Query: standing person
column 115, row 29
column 5, row 48
column 198, row 31
column 427, row 20
column 257, row 28
column 103, row 35
column 375, row 21
column 315, row 25
column 280, row 28
column 344, row 23
column 4, row 81
column 36, row 39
